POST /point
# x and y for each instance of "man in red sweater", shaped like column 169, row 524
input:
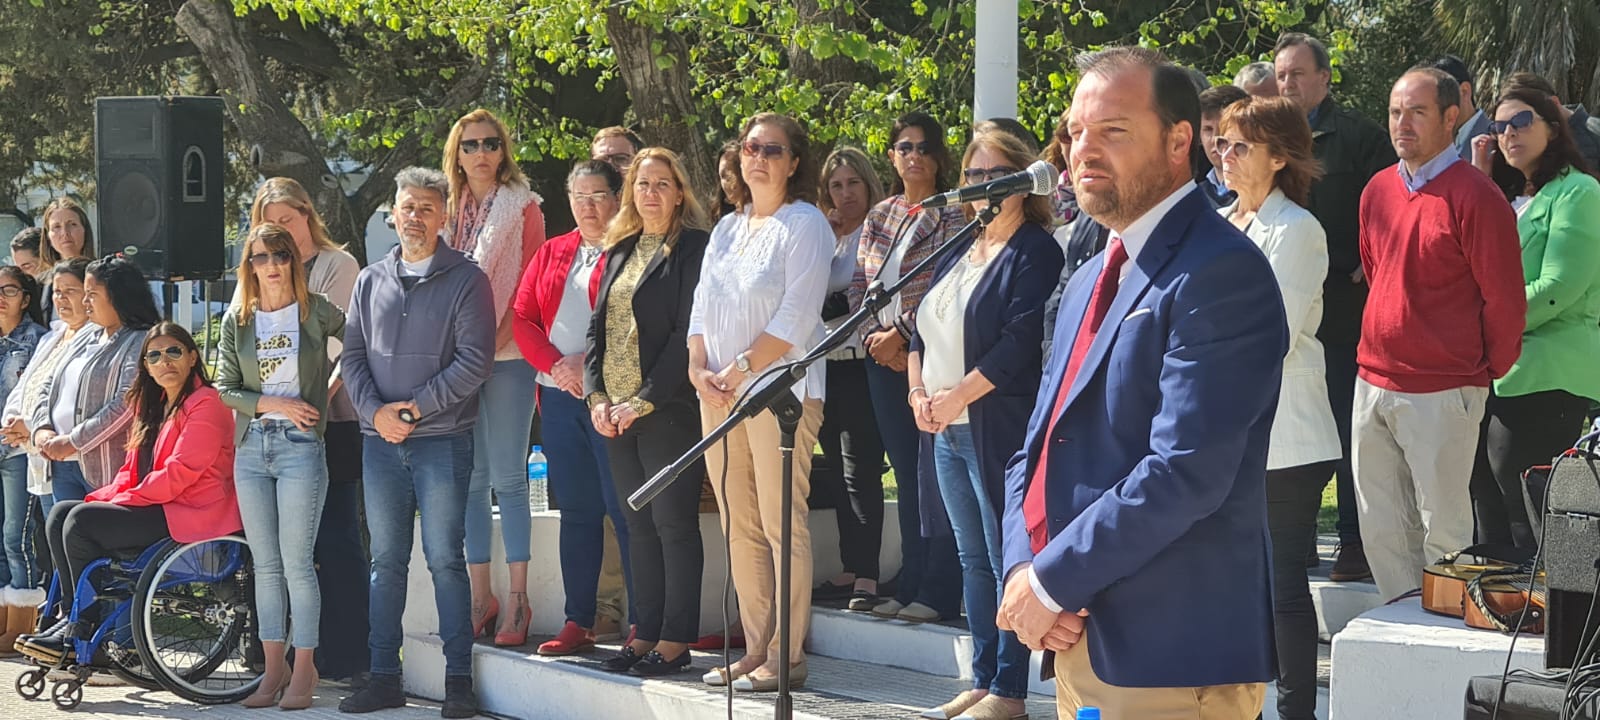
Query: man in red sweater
column 1445, row 316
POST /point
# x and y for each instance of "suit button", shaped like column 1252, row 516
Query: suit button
column 1060, row 440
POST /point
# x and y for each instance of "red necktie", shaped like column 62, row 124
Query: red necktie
column 1105, row 291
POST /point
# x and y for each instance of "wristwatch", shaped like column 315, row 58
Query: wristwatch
column 742, row 361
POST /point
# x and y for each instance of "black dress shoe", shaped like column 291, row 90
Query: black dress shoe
column 459, row 699
column 56, row 641
column 382, row 692
column 621, row 662
column 829, row 591
column 654, row 665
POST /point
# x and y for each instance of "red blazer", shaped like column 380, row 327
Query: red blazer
column 539, row 297
column 192, row 476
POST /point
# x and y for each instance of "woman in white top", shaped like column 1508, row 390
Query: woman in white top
column 853, row 482
column 974, row 370
column 496, row 221
column 759, row 303
column 1267, row 158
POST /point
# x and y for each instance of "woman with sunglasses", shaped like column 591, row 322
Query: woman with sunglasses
column 853, row 485
column 273, row 371
column 1537, row 409
column 176, row 479
column 974, row 370
column 81, row 425
column 21, row 327
column 67, row 235
column 1267, row 159
column 894, row 239
column 340, row 554
column 759, row 304
column 495, row 220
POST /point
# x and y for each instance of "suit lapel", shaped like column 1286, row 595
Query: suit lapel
column 249, row 363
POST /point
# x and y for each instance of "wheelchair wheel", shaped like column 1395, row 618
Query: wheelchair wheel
column 193, row 620
column 30, row 684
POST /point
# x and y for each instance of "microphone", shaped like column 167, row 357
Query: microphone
column 1038, row 179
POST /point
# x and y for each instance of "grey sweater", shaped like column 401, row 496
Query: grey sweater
column 432, row 344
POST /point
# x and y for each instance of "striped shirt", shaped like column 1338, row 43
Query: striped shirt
column 878, row 239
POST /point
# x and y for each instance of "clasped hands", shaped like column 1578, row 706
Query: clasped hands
column 611, row 420
column 1037, row 626
column 935, row 412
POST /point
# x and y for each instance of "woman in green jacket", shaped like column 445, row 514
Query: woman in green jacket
column 273, row 370
column 1537, row 408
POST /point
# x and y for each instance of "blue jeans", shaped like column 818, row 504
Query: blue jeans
column 500, row 462
column 929, row 571
column 999, row 659
column 20, row 569
column 430, row 475
column 67, row 481
column 580, row 480
column 281, row 476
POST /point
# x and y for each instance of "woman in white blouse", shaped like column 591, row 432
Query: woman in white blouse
column 1266, row 150
column 759, row 303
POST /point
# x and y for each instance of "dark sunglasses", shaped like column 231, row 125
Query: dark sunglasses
column 1223, row 146
column 906, row 147
column 471, row 146
column 752, row 148
column 173, row 353
column 977, row 175
column 278, row 257
column 1521, row 121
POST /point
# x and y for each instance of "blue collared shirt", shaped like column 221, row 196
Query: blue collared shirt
column 1429, row 170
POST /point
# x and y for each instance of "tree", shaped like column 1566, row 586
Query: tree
column 1553, row 38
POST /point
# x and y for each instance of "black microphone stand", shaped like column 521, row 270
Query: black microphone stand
column 778, row 397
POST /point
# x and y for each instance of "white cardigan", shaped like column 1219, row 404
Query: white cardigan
column 1303, row 431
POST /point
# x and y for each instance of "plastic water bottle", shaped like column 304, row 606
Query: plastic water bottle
column 538, row 480
column 1088, row 713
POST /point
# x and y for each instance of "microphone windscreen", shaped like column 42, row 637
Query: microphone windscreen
column 1044, row 176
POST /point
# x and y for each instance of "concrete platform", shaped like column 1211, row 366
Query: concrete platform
column 1399, row 661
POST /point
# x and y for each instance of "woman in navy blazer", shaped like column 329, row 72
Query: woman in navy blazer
column 974, row 371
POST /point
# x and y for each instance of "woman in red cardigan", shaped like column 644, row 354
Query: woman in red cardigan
column 177, row 479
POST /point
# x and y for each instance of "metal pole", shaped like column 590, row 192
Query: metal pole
column 995, row 60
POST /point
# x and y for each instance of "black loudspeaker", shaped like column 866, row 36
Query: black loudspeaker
column 159, row 164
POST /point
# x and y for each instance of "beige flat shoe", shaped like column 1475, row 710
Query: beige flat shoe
column 888, row 609
column 751, row 683
column 918, row 613
column 990, row 708
column 955, row 707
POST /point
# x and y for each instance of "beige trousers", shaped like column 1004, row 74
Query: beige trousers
column 751, row 506
column 610, row 600
column 1078, row 686
column 1412, row 455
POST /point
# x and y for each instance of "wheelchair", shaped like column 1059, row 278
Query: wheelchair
column 177, row 616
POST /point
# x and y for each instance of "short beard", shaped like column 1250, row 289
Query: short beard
column 411, row 246
column 1128, row 198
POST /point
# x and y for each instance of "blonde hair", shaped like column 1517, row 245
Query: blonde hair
column 688, row 214
column 508, row 174
column 855, row 160
column 48, row 256
column 288, row 191
column 273, row 238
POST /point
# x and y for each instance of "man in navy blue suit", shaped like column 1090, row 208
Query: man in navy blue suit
column 1135, row 525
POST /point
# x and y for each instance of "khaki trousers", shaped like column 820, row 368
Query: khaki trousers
column 751, row 506
column 1078, row 686
column 609, row 595
column 1413, row 456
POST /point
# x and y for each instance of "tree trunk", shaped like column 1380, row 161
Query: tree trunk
column 833, row 72
column 661, row 97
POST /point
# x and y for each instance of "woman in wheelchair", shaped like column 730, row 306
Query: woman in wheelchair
column 177, row 480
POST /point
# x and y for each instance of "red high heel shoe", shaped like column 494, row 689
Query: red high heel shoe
column 517, row 634
column 482, row 623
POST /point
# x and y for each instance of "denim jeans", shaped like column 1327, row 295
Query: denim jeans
column 20, row 569
column 500, row 462
column 427, row 475
column 999, row 659
column 281, row 477
column 929, row 571
column 67, row 481
column 580, row 480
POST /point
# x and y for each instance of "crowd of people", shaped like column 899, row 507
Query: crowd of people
column 1429, row 296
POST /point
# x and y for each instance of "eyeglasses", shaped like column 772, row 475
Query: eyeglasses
column 470, row 147
column 594, row 198
column 978, row 175
column 906, row 147
column 621, row 161
column 278, row 257
column 752, row 148
column 1223, row 146
column 10, row 291
column 1521, row 121
column 173, row 353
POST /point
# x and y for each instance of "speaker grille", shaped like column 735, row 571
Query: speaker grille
column 134, row 204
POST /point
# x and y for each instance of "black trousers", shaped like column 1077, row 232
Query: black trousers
column 341, row 555
column 664, row 538
column 1518, row 432
column 850, row 440
column 1293, row 497
column 1339, row 360
column 81, row 532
